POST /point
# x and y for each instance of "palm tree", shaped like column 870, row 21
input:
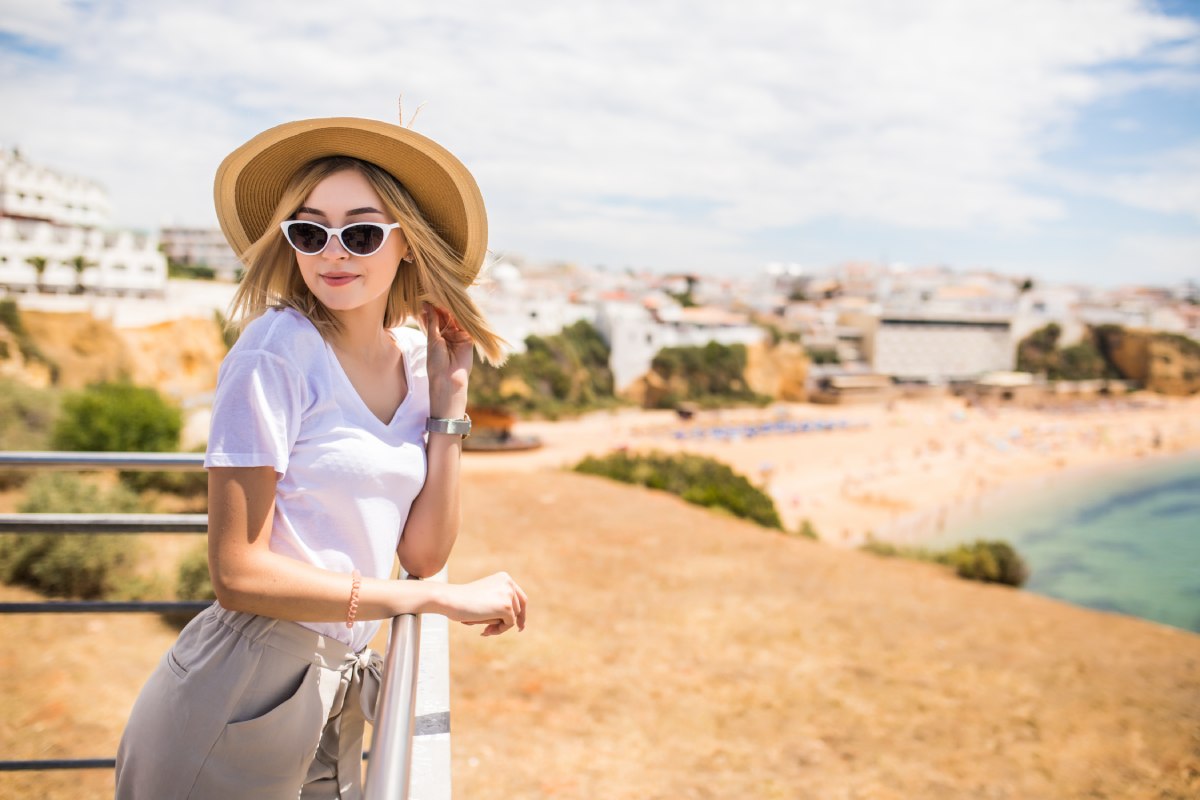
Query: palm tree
column 80, row 263
column 39, row 263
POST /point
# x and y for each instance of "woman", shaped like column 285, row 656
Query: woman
column 335, row 446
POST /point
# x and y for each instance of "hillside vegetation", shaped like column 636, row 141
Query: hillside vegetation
column 566, row 373
column 1166, row 363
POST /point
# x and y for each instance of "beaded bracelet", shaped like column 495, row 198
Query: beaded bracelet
column 352, row 610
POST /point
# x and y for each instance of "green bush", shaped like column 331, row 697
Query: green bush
column 824, row 355
column 199, row 272
column 10, row 318
column 70, row 565
column 118, row 417
column 1080, row 362
column 190, row 483
column 26, row 418
column 699, row 480
column 981, row 560
column 808, row 530
column 187, row 483
column 1037, row 353
column 566, row 373
column 988, row 561
column 194, row 581
column 715, row 375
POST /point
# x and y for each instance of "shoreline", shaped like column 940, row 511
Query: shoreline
column 1070, row 476
column 900, row 472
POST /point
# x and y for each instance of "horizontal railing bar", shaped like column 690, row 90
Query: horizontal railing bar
column 132, row 461
column 51, row 764
column 103, row 606
column 58, row 763
column 103, row 523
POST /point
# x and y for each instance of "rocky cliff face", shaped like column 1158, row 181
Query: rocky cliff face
column 778, row 371
column 1162, row 362
column 179, row 358
column 652, row 390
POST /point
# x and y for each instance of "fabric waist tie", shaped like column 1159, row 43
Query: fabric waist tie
column 359, row 683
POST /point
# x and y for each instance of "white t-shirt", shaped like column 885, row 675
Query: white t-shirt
column 346, row 480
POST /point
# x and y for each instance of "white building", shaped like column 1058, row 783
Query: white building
column 937, row 348
column 517, row 307
column 201, row 247
column 73, row 258
column 32, row 191
column 635, row 334
column 53, row 237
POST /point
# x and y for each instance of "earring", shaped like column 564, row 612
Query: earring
column 408, row 259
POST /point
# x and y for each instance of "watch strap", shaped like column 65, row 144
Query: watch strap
column 456, row 427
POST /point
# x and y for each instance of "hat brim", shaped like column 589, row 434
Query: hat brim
column 251, row 180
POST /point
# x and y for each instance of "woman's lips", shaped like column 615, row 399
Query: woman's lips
column 338, row 278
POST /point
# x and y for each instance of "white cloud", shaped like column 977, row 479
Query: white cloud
column 723, row 119
column 1167, row 182
column 1152, row 259
column 1170, row 184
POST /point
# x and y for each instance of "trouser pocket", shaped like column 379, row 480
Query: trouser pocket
column 267, row 753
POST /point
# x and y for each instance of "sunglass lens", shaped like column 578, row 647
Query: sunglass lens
column 307, row 238
column 362, row 240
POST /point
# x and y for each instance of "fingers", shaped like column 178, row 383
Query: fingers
column 514, row 613
column 520, row 601
column 438, row 319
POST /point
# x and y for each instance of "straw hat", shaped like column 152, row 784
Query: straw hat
column 251, row 179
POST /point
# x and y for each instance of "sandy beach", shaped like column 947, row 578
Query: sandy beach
column 899, row 472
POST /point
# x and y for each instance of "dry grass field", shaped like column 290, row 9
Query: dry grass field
column 675, row 653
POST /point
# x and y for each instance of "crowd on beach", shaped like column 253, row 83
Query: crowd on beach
column 893, row 471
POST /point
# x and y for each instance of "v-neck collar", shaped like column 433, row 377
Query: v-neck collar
column 362, row 404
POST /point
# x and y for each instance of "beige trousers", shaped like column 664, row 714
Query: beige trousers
column 244, row 706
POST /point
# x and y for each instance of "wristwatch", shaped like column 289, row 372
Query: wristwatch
column 457, row 427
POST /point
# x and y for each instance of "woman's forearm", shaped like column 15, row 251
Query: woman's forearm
column 434, row 518
column 274, row 585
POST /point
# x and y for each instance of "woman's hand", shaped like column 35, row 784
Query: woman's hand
column 449, row 360
column 495, row 601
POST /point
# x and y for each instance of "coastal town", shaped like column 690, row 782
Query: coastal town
column 882, row 403
column 862, row 327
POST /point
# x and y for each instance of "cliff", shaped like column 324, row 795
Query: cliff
column 778, row 371
column 179, row 358
column 1162, row 362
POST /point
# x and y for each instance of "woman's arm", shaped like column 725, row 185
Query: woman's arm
column 434, row 517
column 248, row 576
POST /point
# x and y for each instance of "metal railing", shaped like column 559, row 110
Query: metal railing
column 388, row 772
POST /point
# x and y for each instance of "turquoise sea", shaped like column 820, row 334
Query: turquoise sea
column 1121, row 539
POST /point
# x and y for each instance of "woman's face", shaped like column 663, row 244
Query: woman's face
column 342, row 281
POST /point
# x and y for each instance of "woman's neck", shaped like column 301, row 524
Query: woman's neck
column 361, row 336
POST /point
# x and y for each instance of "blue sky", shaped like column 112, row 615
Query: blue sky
column 1056, row 138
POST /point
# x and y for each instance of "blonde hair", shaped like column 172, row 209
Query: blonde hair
column 435, row 275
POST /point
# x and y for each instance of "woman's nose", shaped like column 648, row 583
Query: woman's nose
column 334, row 250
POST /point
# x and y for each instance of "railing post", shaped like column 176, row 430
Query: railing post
column 390, row 767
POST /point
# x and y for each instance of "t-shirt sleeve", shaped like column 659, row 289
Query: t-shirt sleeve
column 256, row 412
column 414, row 344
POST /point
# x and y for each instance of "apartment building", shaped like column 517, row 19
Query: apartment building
column 56, row 236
